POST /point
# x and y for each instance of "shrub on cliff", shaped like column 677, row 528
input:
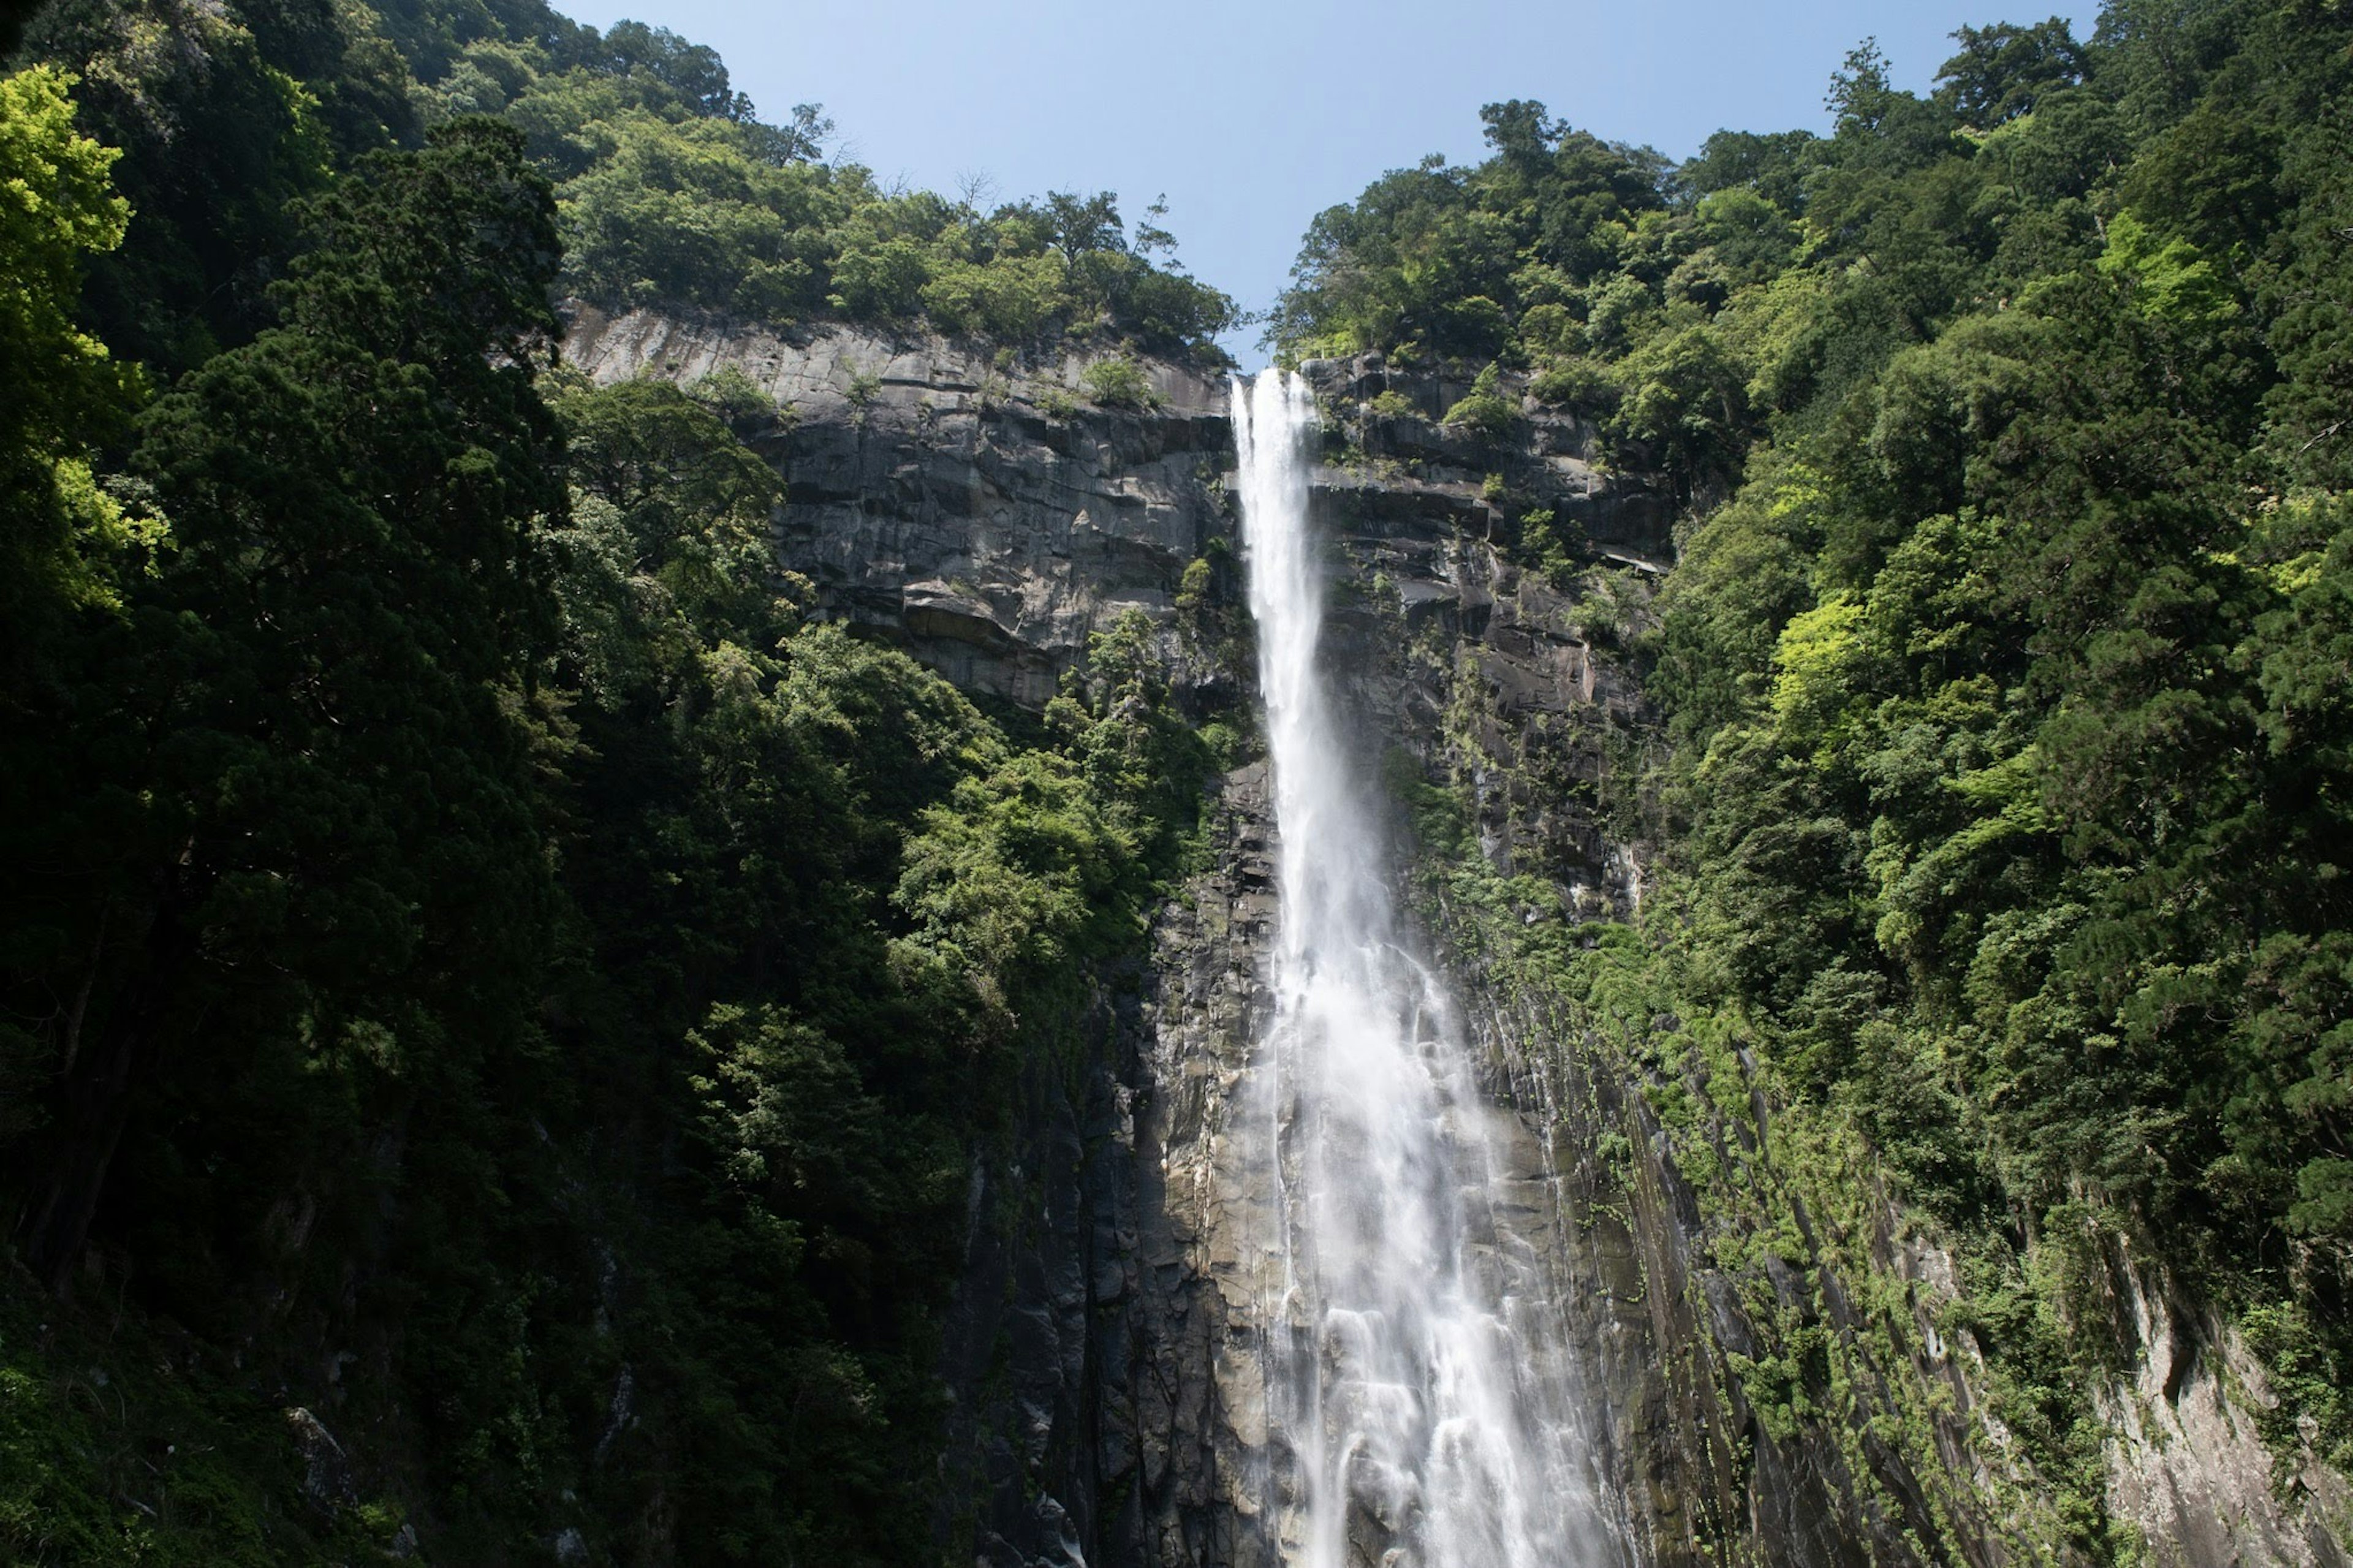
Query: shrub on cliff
column 1117, row 383
column 1484, row 410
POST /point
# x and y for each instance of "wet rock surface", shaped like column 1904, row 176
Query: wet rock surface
column 1104, row 1356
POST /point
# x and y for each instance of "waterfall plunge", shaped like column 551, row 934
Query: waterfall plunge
column 1421, row 1409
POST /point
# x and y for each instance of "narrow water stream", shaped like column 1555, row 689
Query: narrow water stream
column 1421, row 1411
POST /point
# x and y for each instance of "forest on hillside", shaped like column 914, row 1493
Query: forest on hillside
column 2007, row 660
column 467, row 941
column 457, row 918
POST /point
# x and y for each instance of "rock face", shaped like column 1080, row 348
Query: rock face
column 964, row 509
column 1103, row 1354
column 2185, row 1458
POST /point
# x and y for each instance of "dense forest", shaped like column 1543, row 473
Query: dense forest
column 445, row 868
column 2004, row 812
column 469, row 941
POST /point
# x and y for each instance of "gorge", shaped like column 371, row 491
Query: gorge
column 712, row 861
column 1123, row 1404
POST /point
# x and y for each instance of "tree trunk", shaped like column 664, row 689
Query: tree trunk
column 94, row 1099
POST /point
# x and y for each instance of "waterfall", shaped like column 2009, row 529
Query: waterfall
column 1417, row 1395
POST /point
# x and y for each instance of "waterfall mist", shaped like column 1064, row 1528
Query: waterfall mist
column 1420, row 1406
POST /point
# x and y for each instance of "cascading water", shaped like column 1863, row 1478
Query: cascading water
column 1417, row 1392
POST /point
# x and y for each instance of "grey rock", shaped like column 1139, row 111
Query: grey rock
column 950, row 512
column 327, row 1481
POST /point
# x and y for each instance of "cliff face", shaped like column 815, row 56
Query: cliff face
column 952, row 505
column 1104, row 1355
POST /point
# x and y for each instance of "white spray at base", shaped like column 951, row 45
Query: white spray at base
column 1417, row 1388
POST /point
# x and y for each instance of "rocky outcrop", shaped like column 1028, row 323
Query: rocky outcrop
column 1104, row 1354
column 1409, row 468
column 970, row 507
column 2187, row 1459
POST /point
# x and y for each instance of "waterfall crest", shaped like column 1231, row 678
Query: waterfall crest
column 1421, row 1408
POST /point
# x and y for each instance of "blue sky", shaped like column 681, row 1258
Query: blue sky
column 1253, row 115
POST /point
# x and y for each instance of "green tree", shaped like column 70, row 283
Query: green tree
column 218, row 140
column 66, row 390
column 67, row 544
column 334, row 829
column 2003, row 72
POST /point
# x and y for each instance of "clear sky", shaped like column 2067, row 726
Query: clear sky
column 1253, row 115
